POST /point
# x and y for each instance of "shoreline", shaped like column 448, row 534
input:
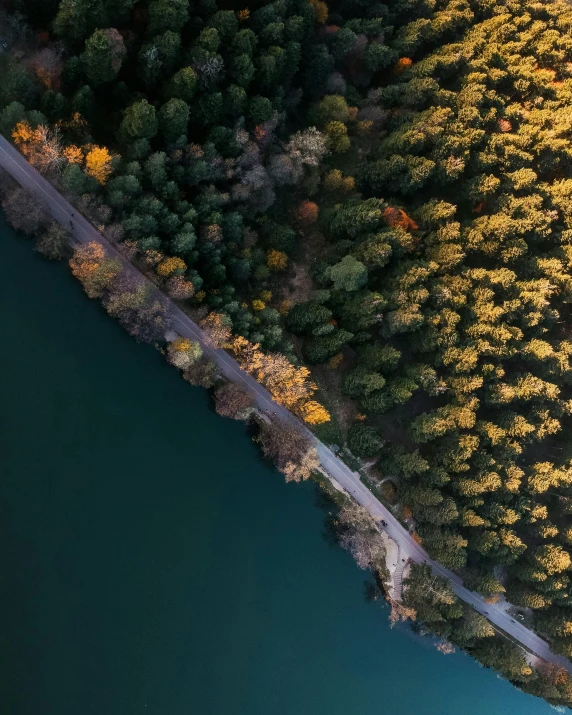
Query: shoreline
column 339, row 474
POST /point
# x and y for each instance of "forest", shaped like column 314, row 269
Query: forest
column 370, row 205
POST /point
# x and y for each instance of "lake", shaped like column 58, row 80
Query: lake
column 151, row 562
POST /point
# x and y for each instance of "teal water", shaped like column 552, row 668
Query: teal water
column 151, row 562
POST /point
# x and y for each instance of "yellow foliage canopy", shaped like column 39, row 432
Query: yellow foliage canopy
column 87, row 259
column 289, row 385
column 217, row 328
column 168, row 266
column 181, row 345
column 314, row 413
column 98, row 164
column 276, row 260
column 73, row 154
column 321, row 11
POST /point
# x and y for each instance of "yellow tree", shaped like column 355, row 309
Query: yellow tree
column 73, row 154
column 289, row 385
column 171, row 265
column 321, row 11
column 98, row 164
column 313, row 413
column 276, row 260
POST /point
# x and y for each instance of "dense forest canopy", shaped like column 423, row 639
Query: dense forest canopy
column 382, row 190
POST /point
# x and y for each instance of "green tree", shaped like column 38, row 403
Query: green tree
column 321, row 348
column 431, row 597
column 355, row 217
column 76, row 19
column 183, row 84
column 259, row 109
column 305, row 316
column 349, row 274
column 332, row 108
column 173, row 119
column 226, row 24
column 18, row 86
column 103, row 56
column 167, row 15
column 140, row 121
column 364, row 441
column 242, row 70
column 360, row 382
column 504, row 656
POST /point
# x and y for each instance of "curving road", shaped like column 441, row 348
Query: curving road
column 83, row 232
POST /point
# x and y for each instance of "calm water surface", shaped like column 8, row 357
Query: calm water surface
column 151, row 563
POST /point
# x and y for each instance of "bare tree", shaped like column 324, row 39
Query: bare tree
column 114, row 233
column 95, row 210
column 284, row 170
column 54, row 243
column 360, row 536
column 400, row 613
column 290, row 449
column 47, row 65
column 210, row 70
column 307, row 147
column 232, row 401
column 24, row 213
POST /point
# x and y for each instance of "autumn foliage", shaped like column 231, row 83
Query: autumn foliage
column 289, row 385
column 307, row 213
column 170, row 265
column 321, row 11
column 98, row 164
column 73, row 154
column 217, row 329
column 276, row 260
column 398, row 217
column 41, row 146
column 179, row 288
column 313, row 413
column 94, row 269
column 402, row 64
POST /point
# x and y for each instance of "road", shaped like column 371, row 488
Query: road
column 83, row 232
